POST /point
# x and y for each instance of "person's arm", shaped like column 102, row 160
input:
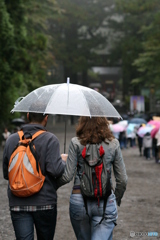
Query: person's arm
column 5, row 164
column 70, row 167
column 54, row 163
column 7, row 152
column 120, row 175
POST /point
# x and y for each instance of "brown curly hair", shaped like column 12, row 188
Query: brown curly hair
column 93, row 130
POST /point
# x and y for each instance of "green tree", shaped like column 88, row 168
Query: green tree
column 7, row 48
column 39, row 13
column 128, row 37
column 21, row 56
column 78, row 31
column 148, row 60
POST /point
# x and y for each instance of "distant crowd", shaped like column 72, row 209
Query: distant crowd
column 149, row 145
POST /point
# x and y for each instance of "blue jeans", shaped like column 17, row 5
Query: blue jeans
column 85, row 230
column 44, row 221
column 123, row 143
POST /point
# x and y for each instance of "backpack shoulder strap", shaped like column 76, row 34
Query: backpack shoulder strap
column 20, row 133
column 37, row 134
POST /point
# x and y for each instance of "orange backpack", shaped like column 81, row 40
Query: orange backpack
column 24, row 173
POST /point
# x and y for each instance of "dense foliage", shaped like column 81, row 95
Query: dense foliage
column 148, row 60
column 137, row 47
column 21, row 54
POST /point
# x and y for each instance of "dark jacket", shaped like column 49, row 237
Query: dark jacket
column 52, row 166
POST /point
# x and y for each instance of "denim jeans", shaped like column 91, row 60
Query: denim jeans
column 123, row 143
column 85, row 230
column 44, row 221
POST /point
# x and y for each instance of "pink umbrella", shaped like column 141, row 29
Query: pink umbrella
column 143, row 130
column 123, row 123
column 117, row 128
column 154, row 123
column 154, row 131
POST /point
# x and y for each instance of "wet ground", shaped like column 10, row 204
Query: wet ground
column 139, row 213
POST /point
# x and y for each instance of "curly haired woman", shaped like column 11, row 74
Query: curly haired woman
column 94, row 130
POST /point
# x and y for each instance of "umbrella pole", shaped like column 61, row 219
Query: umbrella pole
column 65, row 134
column 68, row 80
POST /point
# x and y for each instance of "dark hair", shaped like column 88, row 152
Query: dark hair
column 93, row 130
column 36, row 117
column 36, row 110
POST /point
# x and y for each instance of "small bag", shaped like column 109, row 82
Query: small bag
column 24, row 172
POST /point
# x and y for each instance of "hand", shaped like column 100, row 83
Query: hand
column 64, row 156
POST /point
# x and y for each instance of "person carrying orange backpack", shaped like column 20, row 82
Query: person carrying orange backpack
column 37, row 207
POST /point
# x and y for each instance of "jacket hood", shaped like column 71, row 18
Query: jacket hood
column 147, row 134
column 31, row 128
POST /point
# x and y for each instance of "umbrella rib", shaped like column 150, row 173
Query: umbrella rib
column 98, row 103
column 94, row 99
column 85, row 101
column 58, row 85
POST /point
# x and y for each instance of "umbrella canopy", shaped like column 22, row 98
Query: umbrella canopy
column 154, row 123
column 117, row 127
column 123, row 123
column 130, row 128
column 157, row 136
column 67, row 99
column 154, row 131
column 137, row 120
column 143, row 130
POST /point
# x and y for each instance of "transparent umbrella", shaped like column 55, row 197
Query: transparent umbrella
column 66, row 99
column 143, row 130
column 117, row 127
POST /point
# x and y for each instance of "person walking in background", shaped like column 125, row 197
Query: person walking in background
column 123, row 139
column 94, row 131
column 5, row 136
column 157, row 137
column 147, row 145
column 140, row 142
column 155, row 149
column 39, row 209
column 129, row 140
column 133, row 136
